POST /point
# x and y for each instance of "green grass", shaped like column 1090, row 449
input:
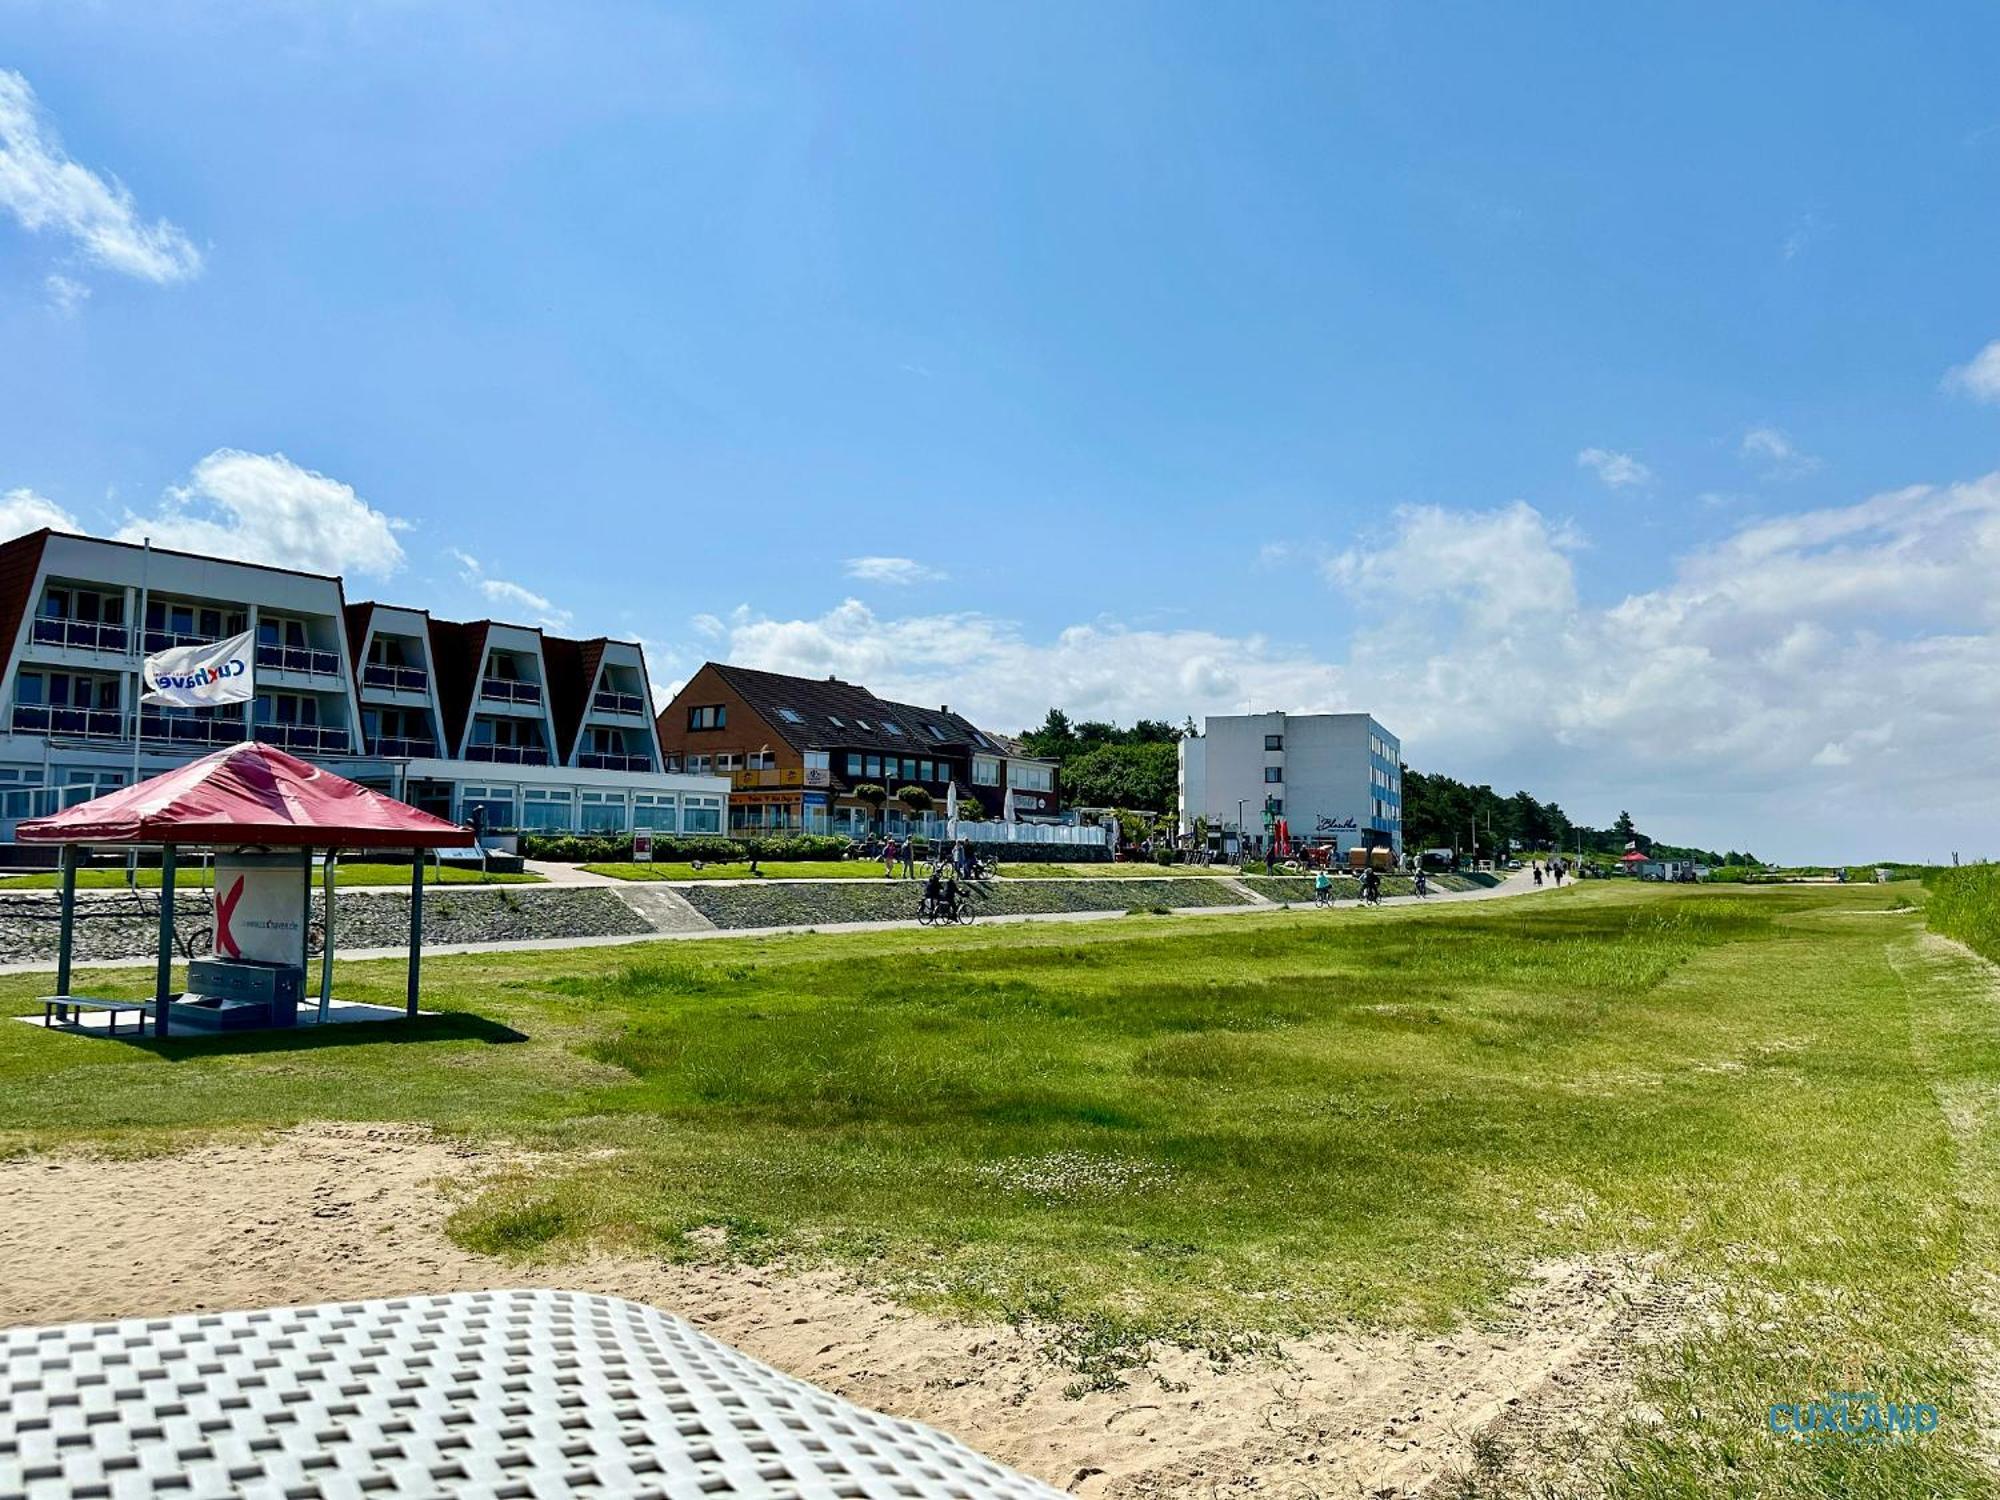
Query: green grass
column 871, row 869
column 349, row 873
column 1964, row 903
column 1224, row 1130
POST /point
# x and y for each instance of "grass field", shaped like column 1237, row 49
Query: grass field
column 349, row 873
column 1217, row 1131
column 871, row 869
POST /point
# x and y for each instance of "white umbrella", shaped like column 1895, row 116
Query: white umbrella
column 1007, row 807
column 951, row 810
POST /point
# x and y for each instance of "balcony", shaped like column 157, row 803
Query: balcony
column 306, row 739
column 607, row 760
column 606, row 702
column 85, row 723
column 306, row 659
column 403, row 749
column 508, row 755
column 81, row 635
column 189, row 729
column 507, row 690
column 395, row 679
column 744, row 781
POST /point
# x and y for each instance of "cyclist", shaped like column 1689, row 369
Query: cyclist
column 949, row 896
column 933, row 897
column 1322, row 888
column 1423, row 882
column 1371, row 886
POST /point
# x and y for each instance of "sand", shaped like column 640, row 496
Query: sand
column 335, row 1212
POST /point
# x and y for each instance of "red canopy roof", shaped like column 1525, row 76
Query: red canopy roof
column 1631, row 857
column 250, row 793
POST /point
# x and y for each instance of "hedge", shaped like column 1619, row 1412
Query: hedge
column 1964, row 903
column 616, row 848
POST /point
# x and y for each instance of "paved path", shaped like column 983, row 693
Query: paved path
column 1517, row 884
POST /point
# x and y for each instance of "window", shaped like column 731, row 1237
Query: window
column 697, row 765
column 661, row 814
column 544, row 808
column 860, row 723
column 888, row 728
column 1274, row 774
column 701, row 814
column 817, row 760
column 835, row 722
column 602, row 812
column 671, row 761
column 985, row 770
column 937, row 734
column 855, row 764
column 1029, row 777
column 709, row 716
column 1274, row 742
column 791, row 716
column 760, row 760
column 494, row 806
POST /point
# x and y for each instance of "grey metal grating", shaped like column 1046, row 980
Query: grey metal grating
column 533, row 1394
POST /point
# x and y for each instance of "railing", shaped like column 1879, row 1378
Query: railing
column 304, row 659
column 618, row 703
column 81, row 635
column 605, row 760
column 396, row 679
column 310, row 738
column 509, row 755
column 402, row 748
column 507, row 690
column 188, row 729
column 93, row 723
column 165, row 640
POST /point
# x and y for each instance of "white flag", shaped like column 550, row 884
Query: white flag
column 201, row 676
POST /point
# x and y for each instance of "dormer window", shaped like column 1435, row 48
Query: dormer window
column 791, row 716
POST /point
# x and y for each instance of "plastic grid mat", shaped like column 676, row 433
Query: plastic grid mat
column 527, row 1393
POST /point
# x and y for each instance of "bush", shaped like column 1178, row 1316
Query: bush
column 711, row 848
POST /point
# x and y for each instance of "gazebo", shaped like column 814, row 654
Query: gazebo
column 248, row 797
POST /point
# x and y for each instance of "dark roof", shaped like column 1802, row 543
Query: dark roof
column 458, row 652
column 831, row 714
column 20, row 560
column 572, row 668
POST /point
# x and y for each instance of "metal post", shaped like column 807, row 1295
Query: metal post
column 163, row 979
column 326, row 948
column 67, row 857
column 416, row 927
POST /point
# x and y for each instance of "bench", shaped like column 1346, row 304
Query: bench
column 56, row 1010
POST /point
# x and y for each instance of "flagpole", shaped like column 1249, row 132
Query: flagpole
column 139, row 687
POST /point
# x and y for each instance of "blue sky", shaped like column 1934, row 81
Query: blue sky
column 1549, row 381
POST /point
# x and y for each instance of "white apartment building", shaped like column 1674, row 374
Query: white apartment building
column 531, row 731
column 1333, row 778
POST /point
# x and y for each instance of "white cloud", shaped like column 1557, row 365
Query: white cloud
column 262, row 507
column 1776, row 453
column 1618, row 470
column 891, row 570
column 23, row 511
column 66, row 295
column 533, row 608
column 1978, row 377
column 47, row 191
column 1819, row 685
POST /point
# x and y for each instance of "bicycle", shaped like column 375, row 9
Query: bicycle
column 942, row 913
column 1322, row 895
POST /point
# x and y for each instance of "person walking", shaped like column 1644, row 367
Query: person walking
column 1538, row 874
column 909, row 859
column 889, row 860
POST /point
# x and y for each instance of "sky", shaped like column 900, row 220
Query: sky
column 1607, row 398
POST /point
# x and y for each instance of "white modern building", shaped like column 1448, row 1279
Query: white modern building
column 1333, row 778
column 525, row 729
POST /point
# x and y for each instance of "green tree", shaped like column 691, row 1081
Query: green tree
column 874, row 796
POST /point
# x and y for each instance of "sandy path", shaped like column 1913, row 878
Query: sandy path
column 327, row 1213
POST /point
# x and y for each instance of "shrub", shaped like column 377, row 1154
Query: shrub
column 711, row 848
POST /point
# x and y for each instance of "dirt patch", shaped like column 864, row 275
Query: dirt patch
column 326, row 1213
